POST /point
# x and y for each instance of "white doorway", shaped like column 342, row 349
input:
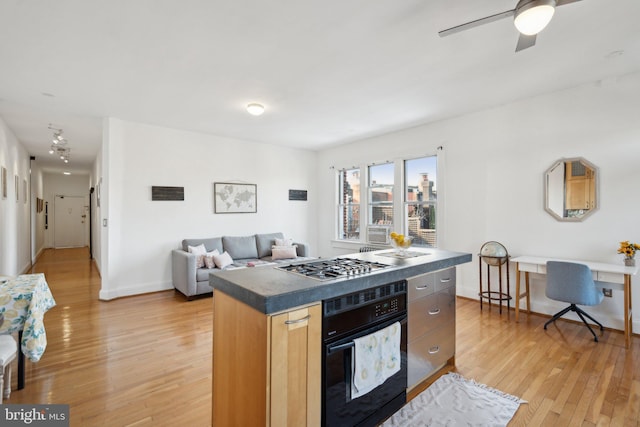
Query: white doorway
column 70, row 222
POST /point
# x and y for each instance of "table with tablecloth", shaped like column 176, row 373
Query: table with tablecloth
column 23, row 302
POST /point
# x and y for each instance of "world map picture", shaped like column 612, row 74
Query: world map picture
column 234, row 198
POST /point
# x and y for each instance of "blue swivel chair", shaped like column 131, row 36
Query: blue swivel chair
column 573, row 283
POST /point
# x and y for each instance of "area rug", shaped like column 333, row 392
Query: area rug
column 453, row 400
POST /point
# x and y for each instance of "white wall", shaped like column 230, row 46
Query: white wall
column 15, row 252
column 494, row 161
column 141, row 233
column 96, row 182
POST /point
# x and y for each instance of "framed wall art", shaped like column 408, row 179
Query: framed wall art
column 235, row 198
column 298, row 195
column 4, row 182
column 167, row 193
column 98, row 185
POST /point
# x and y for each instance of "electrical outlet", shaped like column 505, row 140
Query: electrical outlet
column 607, row 292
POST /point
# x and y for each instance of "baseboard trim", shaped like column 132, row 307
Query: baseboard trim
column 618, row 328
column 111, row 294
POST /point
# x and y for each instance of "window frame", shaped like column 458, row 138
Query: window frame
column 432, row 203
column 342, row 234
column 371, row 204
column 399, row 203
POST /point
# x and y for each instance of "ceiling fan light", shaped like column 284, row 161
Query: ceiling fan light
column 534, row 16
column 255, row 109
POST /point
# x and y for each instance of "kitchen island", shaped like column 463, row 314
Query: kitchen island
column 267, row 334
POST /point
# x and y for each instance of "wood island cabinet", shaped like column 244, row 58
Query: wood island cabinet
column 266, row 368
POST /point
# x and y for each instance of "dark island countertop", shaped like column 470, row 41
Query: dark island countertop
column 269, row 289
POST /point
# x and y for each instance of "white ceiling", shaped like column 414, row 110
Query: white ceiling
column 328, row 71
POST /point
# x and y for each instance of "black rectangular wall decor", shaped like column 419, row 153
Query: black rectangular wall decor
column 167, row 193
column 297, row 194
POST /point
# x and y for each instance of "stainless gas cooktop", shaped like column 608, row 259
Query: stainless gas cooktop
column 333, row 268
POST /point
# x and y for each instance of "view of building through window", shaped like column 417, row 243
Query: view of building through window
column 349, row 204
column 421, row 199
column 381, row 194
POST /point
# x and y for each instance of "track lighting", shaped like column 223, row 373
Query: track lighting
column 59, row 145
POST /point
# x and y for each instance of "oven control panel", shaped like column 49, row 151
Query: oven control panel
column 387, row 307
column 350, row 312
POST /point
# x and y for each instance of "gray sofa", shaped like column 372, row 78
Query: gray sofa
column 192, row 281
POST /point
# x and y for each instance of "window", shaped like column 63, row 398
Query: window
column 381, row 194
column 421, row 200
column 418, row 192
column 349, row 204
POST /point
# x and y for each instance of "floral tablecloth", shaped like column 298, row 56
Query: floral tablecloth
column 23, row 302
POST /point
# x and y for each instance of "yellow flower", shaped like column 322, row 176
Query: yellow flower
column 628, row 249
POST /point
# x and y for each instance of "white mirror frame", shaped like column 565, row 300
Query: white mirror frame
column 548, row 193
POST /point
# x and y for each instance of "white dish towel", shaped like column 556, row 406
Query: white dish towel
column 376, row 357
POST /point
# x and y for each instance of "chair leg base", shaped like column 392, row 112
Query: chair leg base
column 581, row 313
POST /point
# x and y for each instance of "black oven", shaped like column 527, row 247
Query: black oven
column 354, row 316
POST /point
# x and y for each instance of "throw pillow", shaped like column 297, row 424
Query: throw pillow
column 199, row 251
column 223, row 260
column 208, row 259
column 284, row 242
column 283, row 252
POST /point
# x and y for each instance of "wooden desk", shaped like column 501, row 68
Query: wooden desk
column 603, row 272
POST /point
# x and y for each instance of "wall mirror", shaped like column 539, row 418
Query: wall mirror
column 571, row 189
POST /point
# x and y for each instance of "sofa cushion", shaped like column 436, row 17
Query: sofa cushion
column 284, row 242
column 223, row 260
column 208, row 259
column 210, row 244
column 265, row 241
column 199, row 251
column 202, row 274
column 240, row 246
column 283, row 252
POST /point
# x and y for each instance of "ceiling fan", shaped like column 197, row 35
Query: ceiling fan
column 530, row 17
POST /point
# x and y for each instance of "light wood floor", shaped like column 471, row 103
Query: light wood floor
column 146, row 360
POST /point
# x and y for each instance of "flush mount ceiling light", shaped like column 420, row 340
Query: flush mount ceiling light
column 255, row 109
column 532, row 16
column 59, row 145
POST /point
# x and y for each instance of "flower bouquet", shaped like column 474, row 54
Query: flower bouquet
column 629, row 251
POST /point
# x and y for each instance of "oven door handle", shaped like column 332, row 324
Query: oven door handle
column 333, row 348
